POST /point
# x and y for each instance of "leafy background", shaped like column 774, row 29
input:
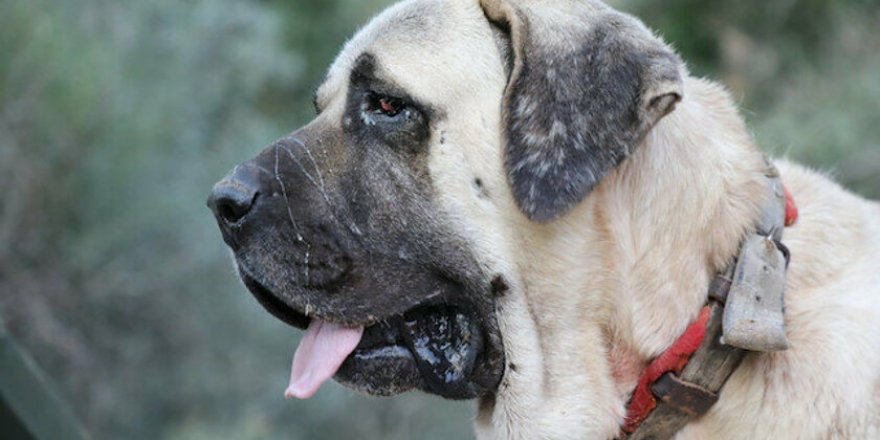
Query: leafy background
column 117, row 116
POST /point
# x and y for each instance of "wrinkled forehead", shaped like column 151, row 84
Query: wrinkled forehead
column 427, row 47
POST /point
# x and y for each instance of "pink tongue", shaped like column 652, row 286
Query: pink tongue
column 320, row 353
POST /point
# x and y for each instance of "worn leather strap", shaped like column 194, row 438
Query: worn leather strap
column 684, row 397
column 706, row 372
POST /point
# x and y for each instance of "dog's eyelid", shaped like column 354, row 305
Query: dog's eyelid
column 388, row 105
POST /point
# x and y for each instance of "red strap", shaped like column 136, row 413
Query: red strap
column 791, row 210
column 673, row 359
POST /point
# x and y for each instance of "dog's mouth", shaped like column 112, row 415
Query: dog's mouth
column 434, row 346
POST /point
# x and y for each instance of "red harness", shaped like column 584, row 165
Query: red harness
column 676, row 357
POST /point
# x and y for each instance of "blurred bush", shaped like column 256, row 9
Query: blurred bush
column 805, row 72
column 117, row 116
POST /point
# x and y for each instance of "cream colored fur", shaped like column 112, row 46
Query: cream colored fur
column 598, row 293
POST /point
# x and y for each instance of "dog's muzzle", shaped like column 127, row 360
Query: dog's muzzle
column 383, row 312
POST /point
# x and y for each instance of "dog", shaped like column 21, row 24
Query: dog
column 524, row 203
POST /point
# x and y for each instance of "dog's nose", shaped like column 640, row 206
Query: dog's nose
column 235, row 196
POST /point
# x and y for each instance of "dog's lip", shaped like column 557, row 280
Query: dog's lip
column 379, row 333
column 410, row 338
column 300, row 319
column 438, row 345
column 385, row 351
column 290, row 315
column 273, row 304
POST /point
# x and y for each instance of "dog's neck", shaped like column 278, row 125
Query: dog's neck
column 639, row 255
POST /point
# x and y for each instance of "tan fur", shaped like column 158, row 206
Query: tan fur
column 598, row 293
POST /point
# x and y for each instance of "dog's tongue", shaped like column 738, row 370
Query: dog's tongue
column 320, row 353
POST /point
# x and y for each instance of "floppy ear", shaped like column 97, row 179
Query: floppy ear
column 587, row 84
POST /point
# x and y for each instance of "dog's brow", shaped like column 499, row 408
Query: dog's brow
column 368, row 72
column 365, row 67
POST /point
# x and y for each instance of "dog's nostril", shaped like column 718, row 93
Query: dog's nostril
column 232, row 210
column 233, row 198
column 231, row 203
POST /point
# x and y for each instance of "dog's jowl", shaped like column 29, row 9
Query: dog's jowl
column 525, row 203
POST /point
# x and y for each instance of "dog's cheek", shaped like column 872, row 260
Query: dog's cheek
column 465, row 182
column 471, row 190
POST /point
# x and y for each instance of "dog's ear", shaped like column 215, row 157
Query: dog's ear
column 586, row 85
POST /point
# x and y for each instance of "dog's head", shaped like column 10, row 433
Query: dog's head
column 439, row 125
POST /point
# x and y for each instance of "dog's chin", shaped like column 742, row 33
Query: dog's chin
column 435, row 347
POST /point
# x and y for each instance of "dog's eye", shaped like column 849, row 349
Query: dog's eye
column 381, row 104
column 397, row 122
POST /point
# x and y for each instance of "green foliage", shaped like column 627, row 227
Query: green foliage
column 805, row 72
column 117, row 116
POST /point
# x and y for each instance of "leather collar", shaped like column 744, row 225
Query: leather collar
column 684, row 382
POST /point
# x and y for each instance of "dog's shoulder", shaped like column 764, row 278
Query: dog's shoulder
column 837, row 234
column 826, row 383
